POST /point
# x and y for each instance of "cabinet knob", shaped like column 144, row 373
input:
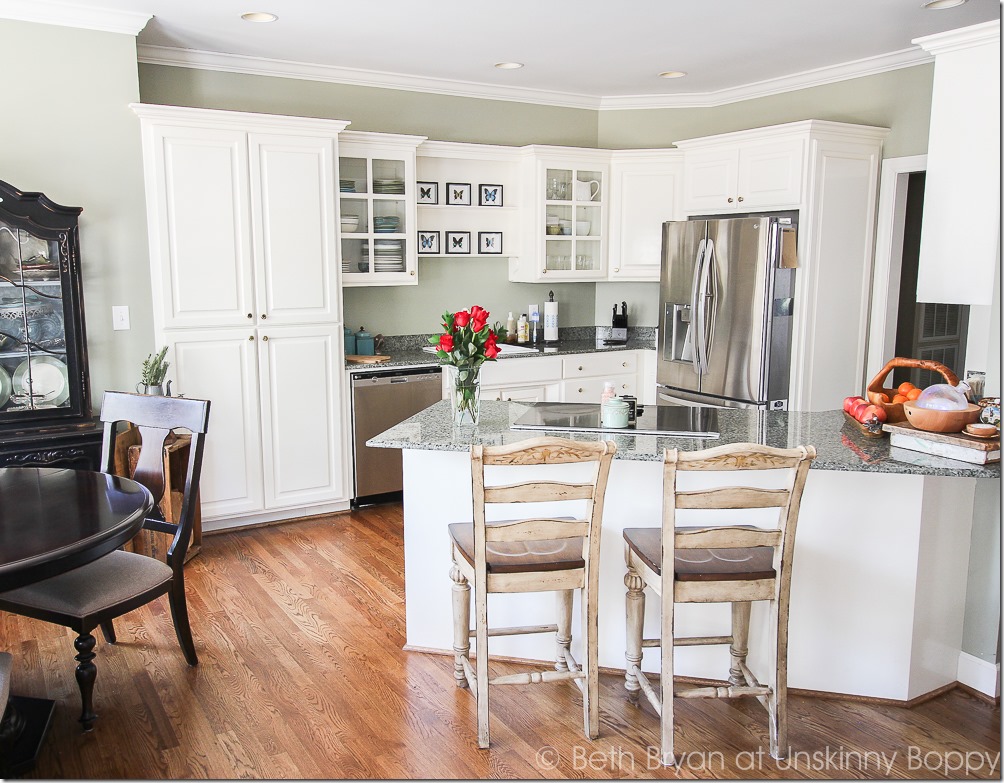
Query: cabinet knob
column 730, row 199
column 623, row 364
column 251, row 338
column 263, row 316
column 617, row 269
column 740, row 198
column 264, row 339
column 580, row 370
column 251, row 316
column 580, row 390
column 412, row 273
column 543, row 271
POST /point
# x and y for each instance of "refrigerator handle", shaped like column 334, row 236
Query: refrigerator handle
column 702, row 294
column 696, row 323
column 709, row 286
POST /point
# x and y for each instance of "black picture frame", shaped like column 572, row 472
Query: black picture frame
column 490, row 243
column 427, row 192
column 428, row 243
column 458, row 242
column 489, row 195
column 458, row 194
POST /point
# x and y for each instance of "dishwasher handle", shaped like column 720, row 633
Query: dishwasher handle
column 388, row 377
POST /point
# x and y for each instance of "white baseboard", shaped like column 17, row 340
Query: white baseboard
column 979, row 675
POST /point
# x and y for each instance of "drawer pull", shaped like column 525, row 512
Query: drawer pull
column 580, row 368
column 580, row 390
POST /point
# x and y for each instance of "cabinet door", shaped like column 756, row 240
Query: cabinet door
column 303, row 435
column 200, row 239
column 221, row 365
column 294, row 205
column 710, row 179
column 644, row 196
column 770, row 175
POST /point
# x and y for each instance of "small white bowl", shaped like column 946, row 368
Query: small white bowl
column 581, row 228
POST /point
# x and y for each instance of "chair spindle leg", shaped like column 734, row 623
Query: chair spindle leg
column 739, row 648
column 86, row 673
column 563, row 637
column 461, row 624
column 635, row 601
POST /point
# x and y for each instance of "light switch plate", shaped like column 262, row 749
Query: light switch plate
column 120, row 317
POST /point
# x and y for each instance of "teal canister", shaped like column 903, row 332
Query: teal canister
column 350, row 342
column 614, row 413
column 364, row 342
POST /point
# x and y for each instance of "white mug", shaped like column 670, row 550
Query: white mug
column 584, row 191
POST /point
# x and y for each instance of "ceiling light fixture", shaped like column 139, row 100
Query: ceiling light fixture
column 672, row 74
column 258, row 16
column 939, row 5
column 508, row 66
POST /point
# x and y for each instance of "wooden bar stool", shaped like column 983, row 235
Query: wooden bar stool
column 531, row 554
column 736, row 563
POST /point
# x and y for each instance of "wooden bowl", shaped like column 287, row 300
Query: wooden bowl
column 894, row 410
column 940, row 421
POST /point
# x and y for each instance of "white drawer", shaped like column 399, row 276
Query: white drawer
column 589, row 364
column 590, row 389
column 506, row 372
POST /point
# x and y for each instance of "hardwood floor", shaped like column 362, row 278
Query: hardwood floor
column 299, row 630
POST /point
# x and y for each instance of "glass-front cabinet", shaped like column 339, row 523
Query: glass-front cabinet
column 43, row 370
column 570, row 194
column 376, row 182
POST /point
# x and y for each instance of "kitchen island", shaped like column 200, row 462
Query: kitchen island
column 880, row 563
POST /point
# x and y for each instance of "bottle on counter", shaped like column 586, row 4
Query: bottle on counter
column 523, row 329
column 510, row 329
column 608, row 392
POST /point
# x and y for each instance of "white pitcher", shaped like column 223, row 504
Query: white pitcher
column 584, row 191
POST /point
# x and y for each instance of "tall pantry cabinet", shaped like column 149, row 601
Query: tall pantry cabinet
column 242, row 212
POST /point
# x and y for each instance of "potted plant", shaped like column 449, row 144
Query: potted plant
column 466, row 343
column 154, row 372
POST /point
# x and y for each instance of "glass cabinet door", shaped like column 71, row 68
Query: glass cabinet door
column 373, row 213
column 573, row 202
column 42, row 369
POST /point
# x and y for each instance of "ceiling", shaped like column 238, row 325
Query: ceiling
column 576, row 52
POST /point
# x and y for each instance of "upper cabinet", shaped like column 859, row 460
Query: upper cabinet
column 645, row 191
column 566, row 197
column 960, row 233
column 759, row 170
column 242, row 221
column 376, row 182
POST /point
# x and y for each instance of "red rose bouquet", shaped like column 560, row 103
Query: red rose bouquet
column 466, row 343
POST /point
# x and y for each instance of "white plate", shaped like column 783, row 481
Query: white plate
column 49, row 381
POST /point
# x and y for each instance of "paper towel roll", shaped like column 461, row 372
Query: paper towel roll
column 550, row 322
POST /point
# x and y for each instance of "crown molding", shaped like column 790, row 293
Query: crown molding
column 963, row 38
column 65, row 15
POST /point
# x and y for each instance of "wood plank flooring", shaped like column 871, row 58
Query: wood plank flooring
column 299, row 629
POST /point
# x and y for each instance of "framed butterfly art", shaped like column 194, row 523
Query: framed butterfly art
column 428, row 243
column 458, row 193
column 490, row 243
column 428, row 192
column 489, row 195
column 458, row 242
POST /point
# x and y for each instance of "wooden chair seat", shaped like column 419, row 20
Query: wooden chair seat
column 702, row 565
column 520, row 557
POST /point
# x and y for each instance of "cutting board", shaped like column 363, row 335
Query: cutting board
column 353, row 358
column 954, row 445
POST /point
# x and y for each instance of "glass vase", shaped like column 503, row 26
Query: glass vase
column 465, row 394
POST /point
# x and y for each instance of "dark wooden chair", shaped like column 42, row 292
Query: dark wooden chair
column 119, row 582
column 733, row 563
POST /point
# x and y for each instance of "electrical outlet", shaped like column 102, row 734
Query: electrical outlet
column 120, row 317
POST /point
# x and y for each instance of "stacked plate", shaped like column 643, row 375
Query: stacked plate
column 386, row 224
column 388, row 186
column 388, row 256
column 347, row 185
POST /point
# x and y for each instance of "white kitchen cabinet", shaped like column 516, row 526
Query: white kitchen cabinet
column 960, row 234
column 444, row 163
column 531, row 379
column 241, row 218
column 565, row 198
column 376, row 173
column 645, row 191
column 585, row 375
column 246, row 290
column 743, row 172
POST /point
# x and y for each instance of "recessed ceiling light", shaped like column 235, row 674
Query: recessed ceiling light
column 937, row 5
column 672, row 74
column 508, row 66
column 258, row 16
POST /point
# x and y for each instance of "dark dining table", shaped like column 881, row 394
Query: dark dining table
column 53, row 520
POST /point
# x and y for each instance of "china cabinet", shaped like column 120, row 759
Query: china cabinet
column 376, row 183
column 244, row 256
column 565, row 215
column 45, row 405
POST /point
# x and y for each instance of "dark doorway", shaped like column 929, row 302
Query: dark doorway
column 925, row 330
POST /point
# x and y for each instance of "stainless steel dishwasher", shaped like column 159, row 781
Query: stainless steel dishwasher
column 381, row 399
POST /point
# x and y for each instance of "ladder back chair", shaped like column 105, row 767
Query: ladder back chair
column 119, row 582
column 499, row 557
column 734, row 563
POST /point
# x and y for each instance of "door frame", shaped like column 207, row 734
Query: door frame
column 886, row 270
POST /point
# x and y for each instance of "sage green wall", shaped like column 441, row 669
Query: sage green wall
column 69, row 133
column 899, row 100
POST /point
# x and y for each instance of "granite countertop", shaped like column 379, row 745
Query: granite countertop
column 406, row 351
column 839, row 445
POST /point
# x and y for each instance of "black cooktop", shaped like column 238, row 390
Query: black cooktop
column 673, row 420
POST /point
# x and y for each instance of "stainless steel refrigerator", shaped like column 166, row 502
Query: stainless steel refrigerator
column 726, row 294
